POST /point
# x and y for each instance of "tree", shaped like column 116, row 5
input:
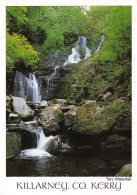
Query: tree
column 18, row 51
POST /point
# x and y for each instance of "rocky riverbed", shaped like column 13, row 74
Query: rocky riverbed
column 88, row 126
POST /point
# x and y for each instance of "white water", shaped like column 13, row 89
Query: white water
column 26, row 87
column 79, row 52
column 42, row 143
column 102, row 39
column 33, row 90
column 50, row 78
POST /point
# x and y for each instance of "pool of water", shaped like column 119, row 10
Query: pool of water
column 69, row 163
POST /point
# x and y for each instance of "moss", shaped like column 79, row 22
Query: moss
column 125, row 171
column 59, row 117
column 13, row 144
column 92, row 83
column 123, row 122
column 71, row 118
column 96, row 118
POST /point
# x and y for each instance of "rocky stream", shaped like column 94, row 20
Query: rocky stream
column 51, row 136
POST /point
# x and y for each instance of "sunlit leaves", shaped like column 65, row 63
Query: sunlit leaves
column 18, row 12
column 18, row 50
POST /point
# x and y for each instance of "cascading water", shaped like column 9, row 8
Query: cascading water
column 80, row 51
column 42, row 140
column 40, row 151
column 102, row 39
column 45, row 87
column 26, row 87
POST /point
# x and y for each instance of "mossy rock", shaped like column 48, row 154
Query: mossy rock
column 13, row 145
column 70, row 117
column 50, row 119
column 59, row 116
column 97, row 118
column 126, row 170
column 54, row 145
column 28, row 136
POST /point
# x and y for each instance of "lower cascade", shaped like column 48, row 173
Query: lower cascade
column 40, row 150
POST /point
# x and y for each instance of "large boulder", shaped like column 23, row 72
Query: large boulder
column 54, row 145
column 51, row 118
column 123, row 122
column 13, row 145
column 70, row 116
column 98, row 118
column 125, row 171
column 20, row 107
column 28, row 136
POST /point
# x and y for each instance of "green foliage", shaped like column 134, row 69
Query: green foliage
column 18, row 12
column 123, row 108
column 19, row 50
column 113, row 61
column 50, row 29
column 47, row 26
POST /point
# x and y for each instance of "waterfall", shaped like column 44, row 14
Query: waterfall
column 26, row 87
column 102, row 39
column 42, row 140
column 33, row 90
column 39, row 151
column 50, row 82
column 80, row 51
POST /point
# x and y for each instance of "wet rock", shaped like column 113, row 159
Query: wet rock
column 54, row 145
column 20, row 107
column 13, row 145
column 125, row 171
column 51, row 118
column 31, row 126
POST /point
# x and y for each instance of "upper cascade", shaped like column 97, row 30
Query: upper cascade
column 102, row 39
column 79, row 52
column 46, row 86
